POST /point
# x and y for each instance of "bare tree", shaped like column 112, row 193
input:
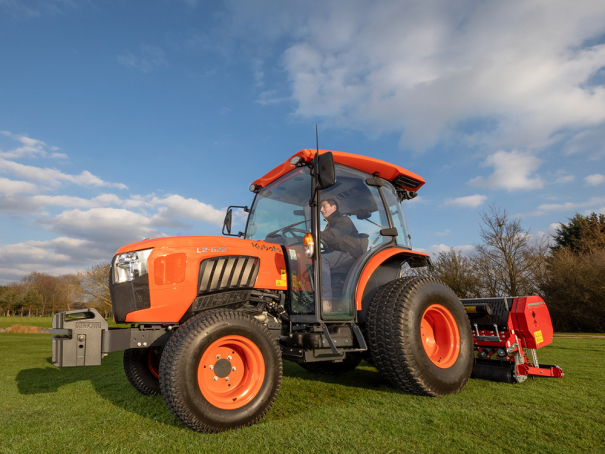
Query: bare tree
column 458, row 272
column 507, row 259
column 56, row 291
column 93, row 288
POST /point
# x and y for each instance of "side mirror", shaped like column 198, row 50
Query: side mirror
column 229, row 219
column 227, row 222
column 326, row 173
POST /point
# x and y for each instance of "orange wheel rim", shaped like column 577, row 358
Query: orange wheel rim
column 440, row 336
column 152, row 362
column 231, row 372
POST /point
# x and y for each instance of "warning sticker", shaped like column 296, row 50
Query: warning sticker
column 292, row 254
column 283, row 282
column 538, row 336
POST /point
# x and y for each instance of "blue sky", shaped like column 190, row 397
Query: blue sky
column 124, row 120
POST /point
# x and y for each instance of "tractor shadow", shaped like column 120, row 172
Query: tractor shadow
column 110, row 383
column 365, row 376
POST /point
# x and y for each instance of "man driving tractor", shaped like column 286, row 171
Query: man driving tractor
column 341, row 240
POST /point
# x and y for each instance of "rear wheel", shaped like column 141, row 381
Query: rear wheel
column 420, row 337
column 332, row 367
column 220, row 371
column 141, row 366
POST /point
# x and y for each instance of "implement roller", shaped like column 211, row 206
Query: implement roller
column 506, row 334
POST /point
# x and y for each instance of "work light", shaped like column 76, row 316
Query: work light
column 308, row 245
column 130, row 265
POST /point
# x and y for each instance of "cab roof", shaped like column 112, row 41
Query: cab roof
column 395, row 174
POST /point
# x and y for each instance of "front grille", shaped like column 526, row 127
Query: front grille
column 406, row 182
column 224, row 273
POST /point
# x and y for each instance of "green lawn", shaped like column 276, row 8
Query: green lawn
column 44, row 408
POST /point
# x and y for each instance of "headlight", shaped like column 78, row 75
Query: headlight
column 130, row 265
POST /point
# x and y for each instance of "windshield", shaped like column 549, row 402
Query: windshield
column 390, row 194
column 281, row 212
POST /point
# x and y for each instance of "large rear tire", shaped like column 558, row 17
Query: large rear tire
column 220, row 371
column 420, row 337
column 141, row 366
column 350, row 363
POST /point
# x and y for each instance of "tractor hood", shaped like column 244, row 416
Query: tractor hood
column 188, row 242
column 179, row 269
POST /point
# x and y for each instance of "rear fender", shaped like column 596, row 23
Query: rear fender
column 381, row 269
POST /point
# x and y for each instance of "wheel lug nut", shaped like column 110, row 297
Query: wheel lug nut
column 215, row 378
column 229, row 358
column 226, row 378
column 210, row 367
column 218, row 356
column 233, row 368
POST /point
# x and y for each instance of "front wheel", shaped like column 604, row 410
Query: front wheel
column 420, row 337
column 141, row 366
column 220, row 371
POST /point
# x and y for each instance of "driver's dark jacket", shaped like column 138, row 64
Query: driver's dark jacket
column 341, row 235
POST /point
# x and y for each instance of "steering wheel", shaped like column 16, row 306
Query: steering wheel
column 294, row 231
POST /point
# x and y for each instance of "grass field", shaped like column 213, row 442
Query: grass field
column 44, row 408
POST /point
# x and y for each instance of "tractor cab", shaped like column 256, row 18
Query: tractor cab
column 286, row 211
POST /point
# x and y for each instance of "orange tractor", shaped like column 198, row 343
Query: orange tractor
column 212, row 318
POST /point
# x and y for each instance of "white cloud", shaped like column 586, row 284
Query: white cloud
column 30, row 148
column 91, row 229
column 178, row 206
column 61, row 255
column 77, row 202
column 563, row 179
column 148, row 58
column 594, row 180
column 9, row 187
column 270, row 97
column 112, row 226
column 434, row 68
column 435, row 249
column 53, row 177
column 591, row 142
column 446, row 232
column 547, row 233
column 512, row 171
column 567, row 206
column 471, row 201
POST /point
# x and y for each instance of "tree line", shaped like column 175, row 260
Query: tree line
column 40, row 294
column 568, row 271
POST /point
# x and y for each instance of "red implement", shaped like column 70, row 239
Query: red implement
column 506, row 334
